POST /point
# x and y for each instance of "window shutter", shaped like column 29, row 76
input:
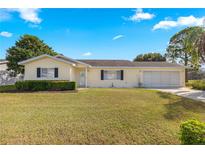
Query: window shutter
column 122, row 75
column 38, row 72
column 102, row 74
column 56, row 73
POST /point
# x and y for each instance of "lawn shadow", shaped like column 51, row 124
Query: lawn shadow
column 177, row 107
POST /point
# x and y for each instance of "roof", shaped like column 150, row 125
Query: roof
column 70, row 60
column 109, row 63
column 42, row 56
column 104, row 63
column 156, row 64
column 3, row 61
column 127, row 63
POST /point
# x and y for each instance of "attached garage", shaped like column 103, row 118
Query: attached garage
column 161, row 78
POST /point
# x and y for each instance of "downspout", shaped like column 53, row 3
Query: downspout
column 86, row 76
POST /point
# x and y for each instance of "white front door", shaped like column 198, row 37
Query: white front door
column 82, row 79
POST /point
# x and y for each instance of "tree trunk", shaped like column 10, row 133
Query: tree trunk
column 186, row 64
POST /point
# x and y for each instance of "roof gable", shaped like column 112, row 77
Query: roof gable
column 44, row 56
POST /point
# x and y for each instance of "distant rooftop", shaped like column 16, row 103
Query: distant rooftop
column 3, row 61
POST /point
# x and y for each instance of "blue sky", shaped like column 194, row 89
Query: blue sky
column 97, row 33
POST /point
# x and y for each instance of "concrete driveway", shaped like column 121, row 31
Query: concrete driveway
column 186, row 92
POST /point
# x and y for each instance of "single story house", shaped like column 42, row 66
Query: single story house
column 104, row 73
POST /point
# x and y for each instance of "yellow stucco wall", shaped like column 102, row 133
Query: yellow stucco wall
column 64, row 69
column 132, row 77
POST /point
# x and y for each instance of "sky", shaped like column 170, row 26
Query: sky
column 98, row 33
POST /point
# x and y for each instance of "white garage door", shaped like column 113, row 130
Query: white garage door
column 161, row 78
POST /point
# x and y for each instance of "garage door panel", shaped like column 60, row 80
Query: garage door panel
column 174, row 78
column 164, row 78
column 161, row 78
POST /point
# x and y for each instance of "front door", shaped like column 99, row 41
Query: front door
column 82, row 79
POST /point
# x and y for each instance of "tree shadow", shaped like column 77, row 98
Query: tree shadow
column 178, row 107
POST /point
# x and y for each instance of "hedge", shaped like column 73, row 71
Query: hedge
column 192, row 132
column 7, row 88
column 196, row 84
column 44, row 85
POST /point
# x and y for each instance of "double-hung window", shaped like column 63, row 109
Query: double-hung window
column 112, row 75
column 47, row 73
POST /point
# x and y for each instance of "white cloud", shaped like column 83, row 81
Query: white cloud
column 28, row 14
column 165, row 25
column 140, row 15
column 181, row 21
column 190, row 20
column 5, row 34
column 87, row 54
column 117, row 37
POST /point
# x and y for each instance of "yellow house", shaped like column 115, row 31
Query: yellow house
column 104, row 73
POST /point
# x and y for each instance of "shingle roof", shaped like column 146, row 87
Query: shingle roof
column 112, row 63
column 156, row 64
column 127, row 63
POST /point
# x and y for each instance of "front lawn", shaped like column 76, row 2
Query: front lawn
column 95, row 116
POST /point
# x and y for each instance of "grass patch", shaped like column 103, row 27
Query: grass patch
column 95, row 116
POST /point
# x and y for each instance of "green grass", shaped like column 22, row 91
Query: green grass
column 95, row 116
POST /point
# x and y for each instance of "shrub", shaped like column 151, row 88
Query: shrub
column 44, row 85
column 60, row 85
column 192, row 132
column 197, row 84
column 7, row 88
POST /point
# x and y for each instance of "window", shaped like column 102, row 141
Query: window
column 112, row 75
column 48, row 73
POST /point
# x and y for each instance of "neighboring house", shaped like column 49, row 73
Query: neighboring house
column 5, row 78
column 3, row 64
column 104, row 73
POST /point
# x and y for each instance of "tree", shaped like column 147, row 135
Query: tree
column 26, row 47
column 150, row 57
column 201, row 46
column 183, row 47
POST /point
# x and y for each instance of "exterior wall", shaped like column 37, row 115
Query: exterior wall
column 65, row 71
column 3, row 66
column 133, row 77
